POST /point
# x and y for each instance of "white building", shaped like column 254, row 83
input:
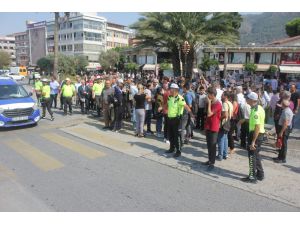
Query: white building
column 80, row 34
column 7, row 44
column 117, row 35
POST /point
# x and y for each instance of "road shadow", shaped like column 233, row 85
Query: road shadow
column 293, row 168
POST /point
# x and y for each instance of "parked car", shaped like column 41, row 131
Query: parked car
column 17, row 107
column 16, row 77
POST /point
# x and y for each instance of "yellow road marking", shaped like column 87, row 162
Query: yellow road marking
column 73, row 146
column 100, row 137
column 6, row 173
column 37, row 157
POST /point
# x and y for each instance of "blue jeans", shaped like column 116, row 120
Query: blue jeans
column 159, row 121
column 222, row 144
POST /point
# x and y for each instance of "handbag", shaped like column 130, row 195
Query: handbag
column 227, row 125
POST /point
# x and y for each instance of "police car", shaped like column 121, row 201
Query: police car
column 17, row 108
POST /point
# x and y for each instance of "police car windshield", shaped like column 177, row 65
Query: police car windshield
column 12, row 91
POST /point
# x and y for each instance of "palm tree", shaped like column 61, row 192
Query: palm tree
column 56, row 28
column 198, row 28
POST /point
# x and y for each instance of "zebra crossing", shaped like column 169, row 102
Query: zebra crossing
column 35, row 155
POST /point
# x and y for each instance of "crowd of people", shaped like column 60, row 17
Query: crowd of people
column 226, row 114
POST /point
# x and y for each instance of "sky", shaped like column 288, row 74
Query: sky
column 15, row 22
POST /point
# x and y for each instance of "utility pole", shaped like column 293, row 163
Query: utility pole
column 55, row 66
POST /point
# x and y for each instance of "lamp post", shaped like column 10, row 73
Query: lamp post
column 185, row 49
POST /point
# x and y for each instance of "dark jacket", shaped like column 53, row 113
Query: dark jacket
column 83, row 92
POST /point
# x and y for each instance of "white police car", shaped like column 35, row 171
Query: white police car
column 17, row 108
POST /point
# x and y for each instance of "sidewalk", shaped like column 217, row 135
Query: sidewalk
column 281, row 183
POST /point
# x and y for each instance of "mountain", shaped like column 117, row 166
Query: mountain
column 265, row 27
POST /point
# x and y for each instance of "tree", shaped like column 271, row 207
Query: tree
column 4, row 59
column 80, row 63
column 131, row 67
column 66, row 65
column 165, row 66
column 198, row 28
column 46, row 63
column 272, row 69
column 292, row 27
column 207, row 63
column 109, row 59
column 250, row 67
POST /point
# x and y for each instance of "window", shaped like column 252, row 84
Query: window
column 78, row 47
column 92, row 36
column 63, row 48
column 5, row 47
column 263, row 58
column 11, row 48
column 78, row 35
column 95, row 25
column 237, row 57
column 78, row 25
column 70, row 48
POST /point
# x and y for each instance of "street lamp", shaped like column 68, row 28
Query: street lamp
column 185, row 49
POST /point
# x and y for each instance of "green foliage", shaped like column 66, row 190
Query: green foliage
column 292, row 27
column 131, row 67
column 171, row 29
column 265, row 27
column 109, row 59
column 4, row 59
column 46, row 63
column 250, row 67
column 165, row 66
column 273, row 69
column 207, row 63
column 80, row 63
column 67, row 65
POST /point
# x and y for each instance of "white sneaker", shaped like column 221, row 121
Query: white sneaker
column 168, row 142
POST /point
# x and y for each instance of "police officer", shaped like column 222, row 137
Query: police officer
column 68, row 91
column 256, row 134
column 97, row 91
column 176, row 105
column 38, row 89
column 46, row 101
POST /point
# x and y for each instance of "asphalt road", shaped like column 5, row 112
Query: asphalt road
column 45, row 169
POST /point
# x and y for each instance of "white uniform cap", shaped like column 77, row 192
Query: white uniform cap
column 44, row 80
column 174, row 86
column 253, row 96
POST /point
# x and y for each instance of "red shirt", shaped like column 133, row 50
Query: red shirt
column 213, row 123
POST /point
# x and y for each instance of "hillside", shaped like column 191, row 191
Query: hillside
column 265, row 27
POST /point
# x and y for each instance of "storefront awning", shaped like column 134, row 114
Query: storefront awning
column 262, row 67
column 93, row 66
column 221, row 67
column 149, row 67
column 234, row 66
column 289, row 69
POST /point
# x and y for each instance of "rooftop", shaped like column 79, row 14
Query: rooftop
column 284, row 40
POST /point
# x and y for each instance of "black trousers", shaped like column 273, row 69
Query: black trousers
column 53, row 98
column 255, row 165
column 230, row 133
column 118, row 111
column 166, row 133
column 200, row 118
column 244, row 134
column 67, row 102
column 46, row 104
column 283, row 150
column 211, row 140
column 175, row 137
column 84, row 105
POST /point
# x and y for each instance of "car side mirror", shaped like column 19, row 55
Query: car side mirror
column 30, row 93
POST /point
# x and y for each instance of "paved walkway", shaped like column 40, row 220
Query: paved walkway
column 281, row 183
